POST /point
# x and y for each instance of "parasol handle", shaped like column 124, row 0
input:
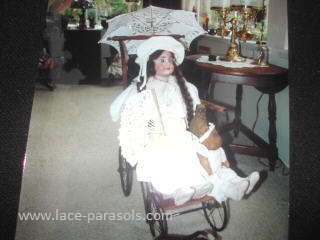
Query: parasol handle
column 154, row 95
column 151, row 23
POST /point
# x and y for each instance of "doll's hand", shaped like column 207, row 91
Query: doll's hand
column 155, row 130
column 226, row 164
column 205, row 163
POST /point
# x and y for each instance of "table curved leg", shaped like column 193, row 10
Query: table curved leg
column 237, row 119
column 273, row 150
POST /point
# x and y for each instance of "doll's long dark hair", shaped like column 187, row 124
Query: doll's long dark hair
column 181, row 82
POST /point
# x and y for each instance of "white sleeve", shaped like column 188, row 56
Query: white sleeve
column 118, row 104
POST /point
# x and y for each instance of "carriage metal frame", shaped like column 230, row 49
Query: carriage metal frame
column 156, row 204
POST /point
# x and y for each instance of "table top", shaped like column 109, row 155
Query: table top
column 244, row 71
column 268, row 79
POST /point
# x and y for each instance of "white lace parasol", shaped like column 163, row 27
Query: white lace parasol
column 152, row 21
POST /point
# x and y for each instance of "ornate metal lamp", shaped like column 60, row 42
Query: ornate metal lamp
column 83, row 5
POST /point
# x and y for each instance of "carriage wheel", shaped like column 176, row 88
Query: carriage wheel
column 156, row 217
column 126, row 172
column 216, row 214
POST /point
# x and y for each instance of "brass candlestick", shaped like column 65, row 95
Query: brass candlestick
column 232, row 53
column 247, row 13
column 244, row 34
column 222, row 31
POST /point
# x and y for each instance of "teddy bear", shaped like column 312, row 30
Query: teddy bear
column 207, row 134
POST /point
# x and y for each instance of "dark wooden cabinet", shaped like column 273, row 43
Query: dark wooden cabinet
column 85, row 54
column 173, row 4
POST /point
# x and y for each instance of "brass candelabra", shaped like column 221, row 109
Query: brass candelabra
column 241, row 13
column 233, row 54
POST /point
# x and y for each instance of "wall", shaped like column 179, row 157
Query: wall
column 278, row 55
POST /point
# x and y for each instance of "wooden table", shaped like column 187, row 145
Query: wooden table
column 269, row 80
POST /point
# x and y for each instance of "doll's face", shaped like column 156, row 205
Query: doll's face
column 164, row 66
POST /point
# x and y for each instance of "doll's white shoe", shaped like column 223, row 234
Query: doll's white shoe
column 253, row 178
column 236, row 190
